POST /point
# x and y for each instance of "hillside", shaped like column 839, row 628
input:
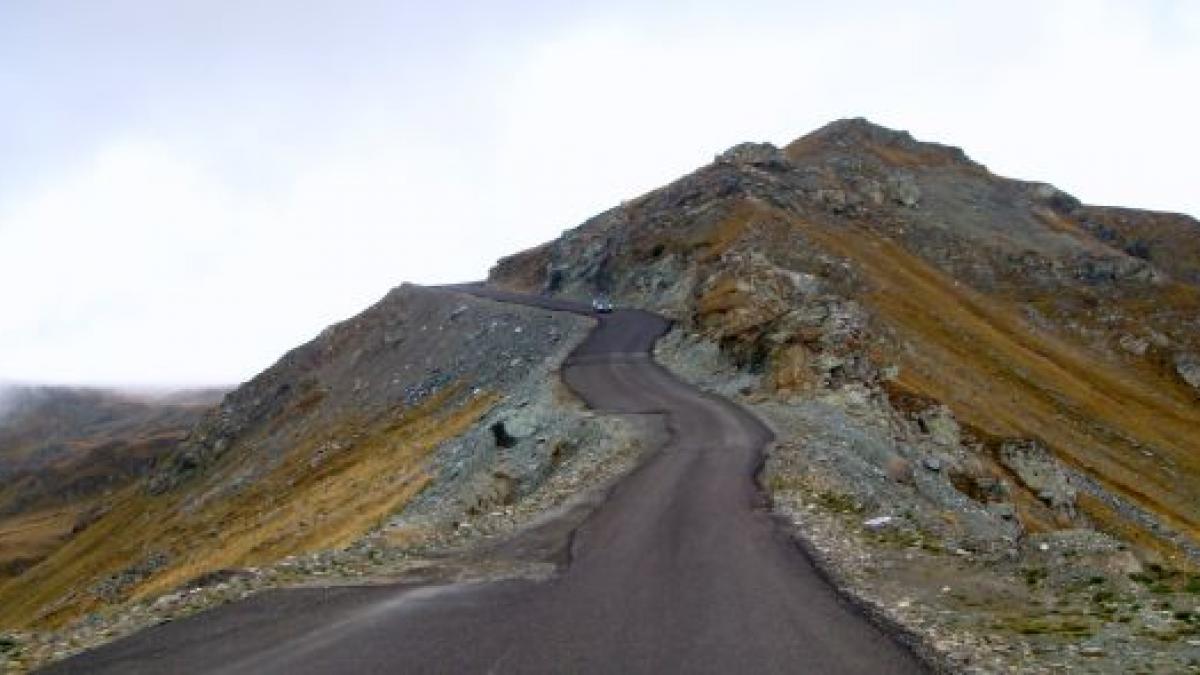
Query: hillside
column 985, row 397
column 432, row 403
column 859, row 254
column 63, row 450
column 953, row 362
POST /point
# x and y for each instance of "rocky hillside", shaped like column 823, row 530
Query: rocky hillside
column 63, row 449
column 857, row 254
column 953, row 362
column 430, row 408
column 986, row 397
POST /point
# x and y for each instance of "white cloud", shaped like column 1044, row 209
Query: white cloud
column 212, row 203
column 142, row 267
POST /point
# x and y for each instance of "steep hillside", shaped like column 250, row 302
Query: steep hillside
column 312, row 453
column 858, row 253
column 429, row 422
column 62, row 450
column 980, row 364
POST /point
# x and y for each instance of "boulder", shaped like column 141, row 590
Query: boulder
column 1040, row 472
column 760, row 154
column 1187, row 366
column 1134, row 344
column 902, row 189
column 939, row 423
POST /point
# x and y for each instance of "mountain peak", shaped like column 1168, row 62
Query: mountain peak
column 893, row 146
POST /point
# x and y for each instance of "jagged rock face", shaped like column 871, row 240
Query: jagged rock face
column 758, row 154
column 1169, row 241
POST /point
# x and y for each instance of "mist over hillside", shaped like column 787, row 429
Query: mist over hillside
column 64, row 451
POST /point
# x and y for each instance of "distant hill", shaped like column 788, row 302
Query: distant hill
column 316, row 450
column 62, row 450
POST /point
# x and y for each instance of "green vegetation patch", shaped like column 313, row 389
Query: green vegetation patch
column 838, row 502
column 1034, row 575
column 1058, row 625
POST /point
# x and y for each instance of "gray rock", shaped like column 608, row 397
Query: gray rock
column 763, row 154
column 878, row 522
column 1133, row 344
column 1040, row 472
column 1187, row 365
column 941, row 426
column 1092, row 650
column 1003, row 510
column 903, row 189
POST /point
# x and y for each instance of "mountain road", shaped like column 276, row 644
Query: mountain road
column 681, row 568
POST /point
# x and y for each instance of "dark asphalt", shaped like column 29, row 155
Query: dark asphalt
column 680, row 570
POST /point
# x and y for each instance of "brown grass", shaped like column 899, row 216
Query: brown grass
column 976, row 354
column 1153, row 547
column 302, row 505
column 717, row 239
column 28, row 537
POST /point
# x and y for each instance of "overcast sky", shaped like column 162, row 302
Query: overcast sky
column 188, row 189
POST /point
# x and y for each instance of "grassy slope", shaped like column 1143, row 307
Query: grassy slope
column 1131, row 427
column 302, row 505
column 29, row 537
column 63, row 449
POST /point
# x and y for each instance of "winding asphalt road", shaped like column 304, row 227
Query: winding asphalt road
column 680, row 570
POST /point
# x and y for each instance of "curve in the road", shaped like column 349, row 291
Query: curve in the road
column 681, row 569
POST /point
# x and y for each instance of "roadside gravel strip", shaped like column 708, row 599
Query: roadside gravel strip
column 681, row 569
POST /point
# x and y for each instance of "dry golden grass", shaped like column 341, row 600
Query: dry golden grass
column 722, row 296
column 976, row 354
column 717, row 239
column 64, row 576
column 1153, row 547
column 33, row 536
column 302, row 505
